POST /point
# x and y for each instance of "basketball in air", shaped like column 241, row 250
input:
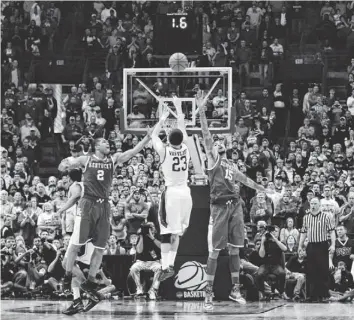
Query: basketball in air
column 178, row 62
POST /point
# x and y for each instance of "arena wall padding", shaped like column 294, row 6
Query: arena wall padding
column 194, row 241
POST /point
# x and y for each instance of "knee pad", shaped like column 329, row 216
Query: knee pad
column 166, row 238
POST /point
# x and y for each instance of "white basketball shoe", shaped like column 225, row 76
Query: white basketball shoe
column 235, row 294
column 208, row 301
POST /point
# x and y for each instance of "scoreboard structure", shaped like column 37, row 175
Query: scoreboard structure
column 178, row 32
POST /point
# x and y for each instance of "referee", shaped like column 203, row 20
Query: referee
column 316, row 226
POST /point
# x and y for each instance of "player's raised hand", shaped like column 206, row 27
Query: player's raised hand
column 178, row 105
column 165, row 114
column 64, row 165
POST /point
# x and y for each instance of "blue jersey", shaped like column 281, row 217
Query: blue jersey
column 222, row 180
column 98, row 176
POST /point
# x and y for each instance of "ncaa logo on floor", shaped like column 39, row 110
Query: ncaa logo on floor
column 191, row 280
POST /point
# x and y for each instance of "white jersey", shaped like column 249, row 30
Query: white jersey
column 76, row 214
column 175, row 165
column 85, row 258
column 75, row 210
column 87, row 254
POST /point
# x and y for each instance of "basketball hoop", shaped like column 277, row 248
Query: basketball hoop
column 170, row 123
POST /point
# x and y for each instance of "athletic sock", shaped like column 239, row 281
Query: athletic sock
column 171, row 258
column 164, row 260
column 235, row 269
column 211, row 270
column 76, row 293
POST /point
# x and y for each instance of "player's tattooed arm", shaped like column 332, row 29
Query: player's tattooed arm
column 208, row 140
column 72, row 163
column 248, row 182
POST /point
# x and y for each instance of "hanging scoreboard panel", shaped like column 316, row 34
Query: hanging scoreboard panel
column 177, row 32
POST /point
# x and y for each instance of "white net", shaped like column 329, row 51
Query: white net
column 170, row 122
column 169, row 125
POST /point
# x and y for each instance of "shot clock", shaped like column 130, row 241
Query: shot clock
column 181, row 23
column 177, row 32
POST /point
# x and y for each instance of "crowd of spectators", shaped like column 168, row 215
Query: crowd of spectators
column 317, row 162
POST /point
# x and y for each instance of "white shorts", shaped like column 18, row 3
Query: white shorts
column 75, row 237
column 178, row 209
column 74, row 240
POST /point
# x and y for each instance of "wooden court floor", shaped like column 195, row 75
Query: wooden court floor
column 177, row 310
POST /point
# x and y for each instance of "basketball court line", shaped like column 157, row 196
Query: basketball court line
column 124, row 309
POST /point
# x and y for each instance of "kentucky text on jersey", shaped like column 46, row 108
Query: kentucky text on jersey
column 177, row 153
column 99, row 165
column 97, row 177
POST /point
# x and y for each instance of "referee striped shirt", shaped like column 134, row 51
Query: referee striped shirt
column 317, row 226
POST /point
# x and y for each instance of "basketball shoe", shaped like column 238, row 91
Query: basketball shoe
column 166, row 273
column 93, row 299
column 75, row 307
column 209, row 295
column 235, row 294
column 152, row 294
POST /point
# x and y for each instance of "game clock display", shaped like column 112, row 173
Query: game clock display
column 177, row 32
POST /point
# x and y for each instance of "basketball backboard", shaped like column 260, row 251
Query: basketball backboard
column 144, row 91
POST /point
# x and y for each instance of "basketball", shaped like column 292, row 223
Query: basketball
column 191, row 276
column 178, row 62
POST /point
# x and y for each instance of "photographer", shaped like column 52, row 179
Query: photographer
column 7, row 261
column 56, row 271
column 148, row 259
column 341, row 280
column 35, row 260
column 271, row 251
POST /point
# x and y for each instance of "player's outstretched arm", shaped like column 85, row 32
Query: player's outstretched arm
column 180, row 118
column 208, row 140
column 72, row 163
column 156, row 141
column 125, row 156
column 248, row 182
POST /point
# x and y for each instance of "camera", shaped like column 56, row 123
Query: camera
column 145, row 229
column 268, row 231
